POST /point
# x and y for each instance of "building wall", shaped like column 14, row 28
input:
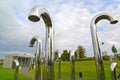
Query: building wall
column 23, row 59
column 8, row 62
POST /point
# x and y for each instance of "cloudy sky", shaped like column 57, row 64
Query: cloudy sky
column 71, row 20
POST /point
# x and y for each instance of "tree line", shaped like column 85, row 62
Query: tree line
column 80, row 54
column 116, row 56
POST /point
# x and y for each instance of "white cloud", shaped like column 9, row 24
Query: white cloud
column 71, row 20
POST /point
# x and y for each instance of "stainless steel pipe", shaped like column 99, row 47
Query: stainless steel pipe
column 113, row 71
column 16, row 69
column 96, row 47
column 72, row 64
column 59, row 66
column 37, row 56
column 34, row 16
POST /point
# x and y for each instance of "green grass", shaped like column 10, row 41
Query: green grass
column 8, row 74
column 87, row 68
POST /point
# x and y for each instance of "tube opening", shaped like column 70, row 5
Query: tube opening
column 33, row 18
column 114, row 22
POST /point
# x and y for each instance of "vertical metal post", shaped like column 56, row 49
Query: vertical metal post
column 16, row 69
column 72, row 64
column 96, row 47
column 34, row 16
column 59, row 66
column 37, row 56
column 113, row 71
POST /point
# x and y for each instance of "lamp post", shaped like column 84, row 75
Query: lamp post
column 96, row 47
column 37, row 56
column 34, row 16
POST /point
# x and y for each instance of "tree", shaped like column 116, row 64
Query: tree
column 114, row 50
column 65, row 56
column 55, row 54
column 81, row 51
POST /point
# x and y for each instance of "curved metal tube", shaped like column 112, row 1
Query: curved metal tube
column 16, row 69
column 37, row 56
column 34, row 16
column 96, row 47
column 72, row 64
column 113, row 72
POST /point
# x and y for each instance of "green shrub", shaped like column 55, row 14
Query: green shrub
column 1, row 63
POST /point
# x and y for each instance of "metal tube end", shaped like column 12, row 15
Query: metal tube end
column 33, row 18
column 112, row 66
column 16, row 62
column 114, row 22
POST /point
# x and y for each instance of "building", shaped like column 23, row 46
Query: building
column 104, row 53
column 23, row 59
column 1, row 61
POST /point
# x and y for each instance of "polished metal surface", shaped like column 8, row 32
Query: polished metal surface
column 37, row 56
column 72, row 64
column 96, row 47
column 59, row 66
column 16, row 69
column 113, row 72
column 34, row 16
column 37, row 12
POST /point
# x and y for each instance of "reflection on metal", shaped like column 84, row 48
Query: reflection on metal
column 72, row 64
column 16, row 69
column 96, row 47
column 59, row 66
column 113, row 72
column 37, row 56
column 34, row 16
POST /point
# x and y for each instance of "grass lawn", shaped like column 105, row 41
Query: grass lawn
column 8, row 74
column 87, row 68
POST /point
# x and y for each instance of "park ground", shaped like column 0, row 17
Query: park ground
column 87, row 68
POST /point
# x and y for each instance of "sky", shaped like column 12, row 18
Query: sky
column 71, row 21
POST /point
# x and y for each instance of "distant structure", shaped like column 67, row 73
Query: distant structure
column 104, row 53
column 23, row 58
column 1, row 61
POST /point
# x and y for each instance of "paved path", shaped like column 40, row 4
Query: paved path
column 26, row 72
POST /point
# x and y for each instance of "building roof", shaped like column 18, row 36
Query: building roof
column 21, row 55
